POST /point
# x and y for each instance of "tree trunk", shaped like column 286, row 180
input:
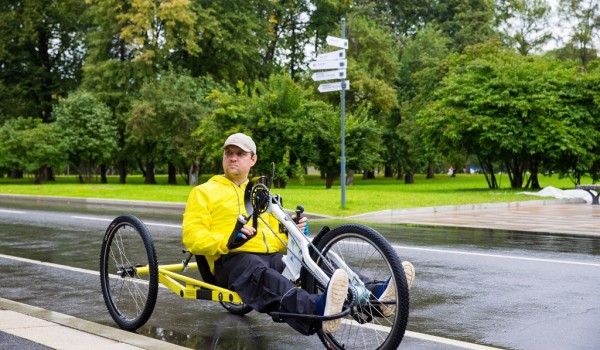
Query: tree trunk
column 16, row 174
column 329, row 181
column 150, row 178
column 515, row 170
column 172, row 177
column 103, row 179
column 368, row 174
column 430, row 172
column 388, row 171
column 409, row 177
column 122, row 172
column 141, row 166
column 400, row 172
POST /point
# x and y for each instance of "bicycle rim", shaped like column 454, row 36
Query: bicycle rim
column 368, row 254
column 129, row 296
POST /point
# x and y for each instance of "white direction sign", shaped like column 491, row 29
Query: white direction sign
column 335, row 55
column 332, row 64
column 329, row 74
column 337, row 42
column 334, row 86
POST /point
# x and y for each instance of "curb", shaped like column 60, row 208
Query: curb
column 175, row 206
column 118, row 335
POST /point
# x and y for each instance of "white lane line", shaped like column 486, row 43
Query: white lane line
column 91, row 218
column 110, row 220
column 58, row 266
column 497, row 256
column 457, row 343
column 11, row 211
column 421, row 336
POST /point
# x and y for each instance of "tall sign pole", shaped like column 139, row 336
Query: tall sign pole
column 336, row 63
column 343, row 107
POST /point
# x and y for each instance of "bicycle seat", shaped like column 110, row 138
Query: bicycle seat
column 204, row 269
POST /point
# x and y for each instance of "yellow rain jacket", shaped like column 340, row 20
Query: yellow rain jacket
column 210, row 215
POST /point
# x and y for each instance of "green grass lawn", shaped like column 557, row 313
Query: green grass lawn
column 362, row 197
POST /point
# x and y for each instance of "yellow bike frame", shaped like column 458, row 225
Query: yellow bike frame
column 190, row 288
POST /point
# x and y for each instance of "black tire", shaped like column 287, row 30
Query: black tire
column 130, row 297
column 369, row 255
column 237, row 308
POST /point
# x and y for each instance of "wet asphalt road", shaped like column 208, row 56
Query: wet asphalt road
column 496, row 288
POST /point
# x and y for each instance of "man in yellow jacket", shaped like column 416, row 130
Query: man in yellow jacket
column 253, row 269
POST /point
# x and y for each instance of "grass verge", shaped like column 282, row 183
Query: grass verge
column 362, row 196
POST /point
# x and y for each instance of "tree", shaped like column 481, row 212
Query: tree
column 581, row 93
column 31, row 146
column 466, row 22
column 583, row 18
column 503, row 107
column 87, row 132
column 279, row 116
column 420, row 75
column 524, row 24
column 162, row 121
column 41, row 54
column 232, row 38
column 133, row 42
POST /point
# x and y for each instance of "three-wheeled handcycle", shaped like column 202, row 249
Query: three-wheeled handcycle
column 130, row 274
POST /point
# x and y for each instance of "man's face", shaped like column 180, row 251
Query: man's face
column 237, row 163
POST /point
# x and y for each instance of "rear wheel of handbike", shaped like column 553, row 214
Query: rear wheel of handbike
column 128, row 272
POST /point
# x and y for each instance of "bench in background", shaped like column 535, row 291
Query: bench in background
column 589, row 189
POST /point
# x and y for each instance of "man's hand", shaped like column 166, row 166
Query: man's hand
column 303, row 225
column 246, row 232
column 241, row 233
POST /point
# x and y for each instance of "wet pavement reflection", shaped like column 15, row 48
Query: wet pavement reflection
column 498, row 288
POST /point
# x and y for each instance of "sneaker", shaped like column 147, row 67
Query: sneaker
column 389, row 293
column 332, row 300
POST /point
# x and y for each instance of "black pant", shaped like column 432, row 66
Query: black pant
column 258, row 280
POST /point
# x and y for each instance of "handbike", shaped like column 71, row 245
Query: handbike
column 130, row 275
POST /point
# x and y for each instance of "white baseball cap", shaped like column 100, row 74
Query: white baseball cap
column 243, row 141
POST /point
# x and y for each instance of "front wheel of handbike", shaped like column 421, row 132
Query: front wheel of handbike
column 128, row 272
column 376, row 264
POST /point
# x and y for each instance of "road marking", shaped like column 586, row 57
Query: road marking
column 110, row 220
column 497, row 256
column 422, row 336
column 11, row 211
column 66, row 267
column 457, row 343
column 58, row 266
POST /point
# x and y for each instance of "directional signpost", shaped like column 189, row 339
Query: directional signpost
column 336, row 64
column 329, row 74
column 338, row 42
column 334, row 86
column 332, row 64
column 335, row 55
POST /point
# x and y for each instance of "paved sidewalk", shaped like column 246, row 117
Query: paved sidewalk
column 560, row 216
column 28, row 327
